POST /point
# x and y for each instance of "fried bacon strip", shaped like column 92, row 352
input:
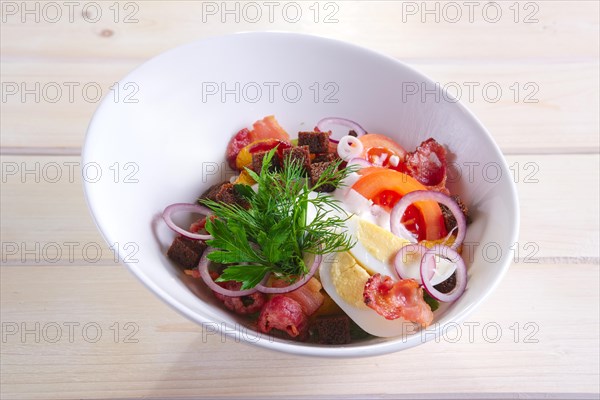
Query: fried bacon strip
column 401, row 299
column 284, row 314
column 243, row 305
column 427, row 164
column 308, row 295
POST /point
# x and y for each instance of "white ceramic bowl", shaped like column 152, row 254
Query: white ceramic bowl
column 169, row 138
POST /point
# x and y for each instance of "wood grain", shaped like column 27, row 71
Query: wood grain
column 534, row 342
column 555, row 29
column 45, row 219
column 539, row 108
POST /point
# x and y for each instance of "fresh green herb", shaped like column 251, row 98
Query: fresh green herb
column 433, row 303
column 273, row 235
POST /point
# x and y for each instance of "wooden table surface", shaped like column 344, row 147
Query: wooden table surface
column 77, row 324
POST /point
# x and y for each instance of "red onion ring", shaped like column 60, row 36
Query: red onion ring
column 342, row 122
column 273, row 290
column 399, row 229
column 361, row 162
column 401, row 258
column 205, row 275
column 349, row 147
column 179, row 207
column 428, row 266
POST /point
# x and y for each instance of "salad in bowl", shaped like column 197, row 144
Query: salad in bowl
column 367, row 212
column 327, row 239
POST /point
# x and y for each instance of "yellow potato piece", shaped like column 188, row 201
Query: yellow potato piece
column 245, row 179
column 329, row 307
column 349, row 279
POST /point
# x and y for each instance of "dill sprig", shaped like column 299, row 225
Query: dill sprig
column 273, row 234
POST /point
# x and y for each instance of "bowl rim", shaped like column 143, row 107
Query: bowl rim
column 288, row 346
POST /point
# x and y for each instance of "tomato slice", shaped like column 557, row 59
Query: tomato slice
column 412, row 219
column 376, row 154
column 377, row 146
column 386, row 187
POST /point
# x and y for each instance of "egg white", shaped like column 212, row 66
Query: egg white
column 444, row 268
column 368, row 319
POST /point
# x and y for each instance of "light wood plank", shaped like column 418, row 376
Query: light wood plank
column 66, row 100
column 556, row 353
column 541, row 108
column 550, row 219
column 52, row 215
column 562, row 29
column 553, row 304
column 45, row 219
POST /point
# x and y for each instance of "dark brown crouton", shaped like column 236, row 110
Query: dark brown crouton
column 227, row 194
column 186, row 252
column 316, row 170
column 257, row 161
column 447, row 285
column 317, row 142
column 299, row 154
column 224, row 193
column 449, row 219
column 332, row 329
column 211, row 192
column 325, row 157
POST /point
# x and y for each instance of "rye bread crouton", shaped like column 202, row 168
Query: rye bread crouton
column 316, row 170
column 211, row 192
column 317, row 142
column 332, row 329
column 325, row 157
column 257, row 161
column 186, row 252
column 299, row 154
column 449, row 219
column 224, row 193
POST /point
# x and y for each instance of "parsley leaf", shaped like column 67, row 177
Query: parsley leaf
column 231, row 240
column 250, row 275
